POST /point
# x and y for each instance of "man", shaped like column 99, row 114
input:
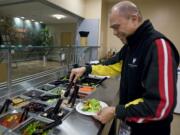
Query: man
column 148, row 65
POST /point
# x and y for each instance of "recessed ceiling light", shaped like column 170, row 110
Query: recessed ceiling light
column 22, row 17
column 27, row 20
column 41, row 22
column 32, row 20
column 1, row 20
column 58, row 16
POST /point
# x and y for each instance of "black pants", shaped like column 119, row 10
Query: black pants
column 154, row 128
column 150, row 129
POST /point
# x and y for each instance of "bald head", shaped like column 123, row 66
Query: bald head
column 127, row 9
column 125, row 19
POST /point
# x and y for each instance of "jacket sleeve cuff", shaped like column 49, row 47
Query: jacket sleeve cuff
column 120, row 112
column 88, row 69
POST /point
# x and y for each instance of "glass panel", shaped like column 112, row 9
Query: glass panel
column 35, row 37
column 29, row 61
column 32, row 41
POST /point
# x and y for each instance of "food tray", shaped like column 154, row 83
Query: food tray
column 35, row 107
column 30, row 126
column 46, row 87
column 63, row 113
column 11, row 120
column 33, row 93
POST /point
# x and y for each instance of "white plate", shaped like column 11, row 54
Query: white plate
column 80, row 106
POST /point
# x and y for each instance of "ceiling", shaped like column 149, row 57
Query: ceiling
column 38, row 10
column 35, row 10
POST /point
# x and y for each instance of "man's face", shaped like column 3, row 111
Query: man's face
column 123, row 26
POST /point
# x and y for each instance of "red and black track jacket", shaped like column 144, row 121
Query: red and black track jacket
column 148, row 66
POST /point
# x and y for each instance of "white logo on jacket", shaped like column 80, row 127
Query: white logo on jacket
column 133, row 63
column 134, row 60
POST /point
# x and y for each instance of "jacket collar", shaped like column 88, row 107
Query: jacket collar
column 140, row 34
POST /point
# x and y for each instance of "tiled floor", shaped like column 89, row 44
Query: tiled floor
column 175, row 130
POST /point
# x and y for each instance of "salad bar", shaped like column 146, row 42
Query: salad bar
column 58, row 107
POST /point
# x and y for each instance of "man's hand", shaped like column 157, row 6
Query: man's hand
column 77, row 72
column 105, row 115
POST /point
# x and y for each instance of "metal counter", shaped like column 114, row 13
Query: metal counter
column 76, row 123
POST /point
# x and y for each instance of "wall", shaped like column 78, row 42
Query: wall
column 74, row 6
column 104, row 24
column 89, row 9
column 162, row 13
column 92, row 9
column 92, row 26
column 92, row 22
column 56, row 30
column 164, row 16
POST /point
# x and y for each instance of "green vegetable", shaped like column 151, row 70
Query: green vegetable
column 51, row 101
column 58, row 91
column 31, row 128
column 91, row 105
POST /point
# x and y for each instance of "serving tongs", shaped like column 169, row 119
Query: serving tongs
column 47, row 127
column 68, row 90
column 74, row 95
column 56, row 110
column 48, row 97
column 24, row 115
column 100, row 81
column 5, row 106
